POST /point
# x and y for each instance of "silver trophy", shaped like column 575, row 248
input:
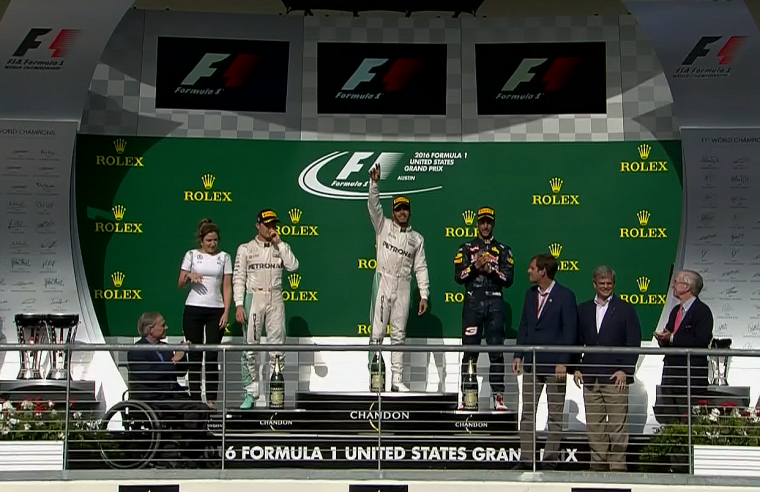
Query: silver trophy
column 719, row 363
column 62, row 330
column 29, row 330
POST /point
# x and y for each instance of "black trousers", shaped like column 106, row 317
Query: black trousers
column 673, row 404
column 187, row 420
column 196, row 322
column 484, row 317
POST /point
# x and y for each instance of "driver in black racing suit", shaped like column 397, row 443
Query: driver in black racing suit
column 485, row 266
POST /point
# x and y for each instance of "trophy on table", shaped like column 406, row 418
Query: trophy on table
column 62, row 330
column 29, row 330
column 719, row 363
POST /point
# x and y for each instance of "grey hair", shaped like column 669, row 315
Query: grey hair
column 694, row 280
column 603, row 271
column 146, row 322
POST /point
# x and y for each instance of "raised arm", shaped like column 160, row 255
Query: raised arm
column 421, row 270
column 239, row 275
column 289, row 260
column 375, row 209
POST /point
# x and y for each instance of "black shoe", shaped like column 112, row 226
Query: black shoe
column 522, row 466
column 549, row 466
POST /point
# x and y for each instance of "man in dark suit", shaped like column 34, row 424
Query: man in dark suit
column 607, row 321
column 690, row 325
column 549, row 317
column 153, row 379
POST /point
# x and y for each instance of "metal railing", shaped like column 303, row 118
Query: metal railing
column 159, row 425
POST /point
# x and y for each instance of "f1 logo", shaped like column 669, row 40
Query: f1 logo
column 236, row 74
column 60, row 45
column 402, row 70
column 555, row 78
column 727, row 53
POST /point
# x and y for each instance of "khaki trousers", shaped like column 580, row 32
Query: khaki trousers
column 555, row 396
column 607, row 425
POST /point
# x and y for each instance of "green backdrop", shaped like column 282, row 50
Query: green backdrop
column 139, row 201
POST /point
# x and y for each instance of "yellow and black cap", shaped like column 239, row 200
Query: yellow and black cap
column 401, row 202
column 486, row 213
column 267, row 216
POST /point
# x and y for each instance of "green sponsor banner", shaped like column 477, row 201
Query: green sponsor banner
column 139, row 201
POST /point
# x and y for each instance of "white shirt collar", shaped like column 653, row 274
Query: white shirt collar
column 686, row 305
column 548, row 289
column 599, row 302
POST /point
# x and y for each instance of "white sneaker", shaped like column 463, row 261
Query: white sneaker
column 401, row 387
column 397, row 385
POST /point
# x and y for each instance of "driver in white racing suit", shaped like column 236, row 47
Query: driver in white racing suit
column 400, row 250
column 257, row 291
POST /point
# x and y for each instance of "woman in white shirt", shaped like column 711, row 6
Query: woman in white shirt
column 208, row 271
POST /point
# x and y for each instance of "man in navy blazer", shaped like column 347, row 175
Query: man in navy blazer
column 690, row 325
column 153, row 377
column 607, row 321
column 549, row 317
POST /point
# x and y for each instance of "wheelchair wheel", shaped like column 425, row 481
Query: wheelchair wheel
column 136, row 444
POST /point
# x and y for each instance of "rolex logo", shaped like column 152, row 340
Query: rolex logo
column 294, row 279
column 555, row 249
column 563, row 265
column 118, row 279
column 643, row 232
column 643, row 217
column 296, row 228
column 643, row 297
column 295, row 215
column 118, row 212
column 120, row 145
column 555, row 198
column 643, row 283
column 469, row 231
column 469, row 217
column 118, row 293
column 295, row 295
column 644, row 150
column 118, row 227
column 208, row 181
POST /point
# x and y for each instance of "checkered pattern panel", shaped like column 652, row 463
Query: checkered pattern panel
column 537, row 128
column 114, row 98
column 221, row 124
column 647, row 103
column 381, row 127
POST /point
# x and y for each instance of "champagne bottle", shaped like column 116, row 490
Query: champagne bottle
column 277, row 386
column 470, row 388
column 377, row 373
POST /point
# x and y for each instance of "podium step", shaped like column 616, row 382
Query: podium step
column 365, row 422
column 387, row 401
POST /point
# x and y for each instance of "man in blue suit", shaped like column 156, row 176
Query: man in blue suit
column 549, row 317
column 607, row 321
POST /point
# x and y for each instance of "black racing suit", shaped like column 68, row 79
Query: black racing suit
column 483, row 310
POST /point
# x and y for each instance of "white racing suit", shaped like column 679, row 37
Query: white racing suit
column 257, row 286
column 399, row 252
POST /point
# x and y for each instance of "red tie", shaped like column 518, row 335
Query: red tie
column 679, row 318
column 541, row 301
